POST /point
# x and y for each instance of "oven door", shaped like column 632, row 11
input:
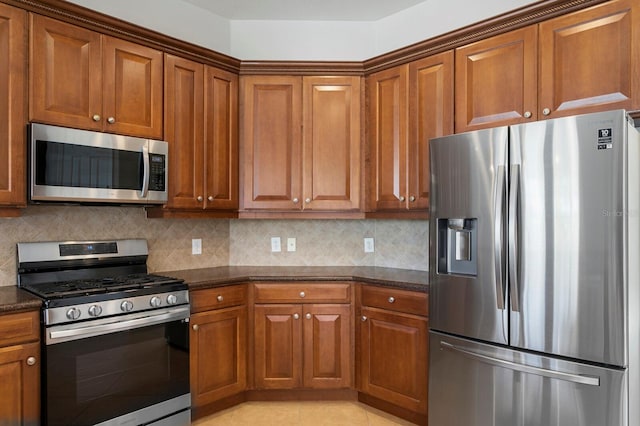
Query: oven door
column 131, row 370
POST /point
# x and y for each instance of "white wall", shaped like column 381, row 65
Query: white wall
column 170, row 17
column 303, row 40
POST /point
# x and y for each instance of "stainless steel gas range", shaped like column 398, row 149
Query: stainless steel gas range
column 115, row 338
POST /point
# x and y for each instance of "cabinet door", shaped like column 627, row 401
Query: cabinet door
column 589, row 60
column 221, row 139
column 184, row 131
column 393, row 358
column 331, row 143
column 327, row 346
column 218, row 349
column 431, row 115
column 65, row 74
column 496, row 80
column 132, row 89
column 20, row 385
column 13, row 50
column 278, row 346
column 271, row 142
column 388, row 123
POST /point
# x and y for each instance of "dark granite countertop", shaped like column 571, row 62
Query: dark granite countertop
column 13, row 299
column 225, row 275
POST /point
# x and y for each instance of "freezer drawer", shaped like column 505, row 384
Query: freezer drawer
column 474, row 384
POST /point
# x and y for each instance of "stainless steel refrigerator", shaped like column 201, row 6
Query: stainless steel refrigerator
column 534, row 274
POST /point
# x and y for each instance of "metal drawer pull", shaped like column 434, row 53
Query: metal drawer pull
column 31, row 360
column 96, row 117
column 308, row 316
column 363, row 318
column 195, row 327
column 220, row 298
column 302, row 294
column 111, row 120
column 391, row 299
column 296, row 316
column 523, row 368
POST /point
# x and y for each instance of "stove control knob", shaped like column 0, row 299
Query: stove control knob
column 126, row 306
column 95, row 310
column 155, row 302
column 172, row 299
column 73, row 313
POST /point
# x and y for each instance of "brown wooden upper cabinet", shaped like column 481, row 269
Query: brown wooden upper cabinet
column 581, row 62
column 408, row 105
column 301, row 143
column 13, row 26
column 82, row 79
column 201, row 110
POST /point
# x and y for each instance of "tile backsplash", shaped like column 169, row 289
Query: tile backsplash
column 398, row 243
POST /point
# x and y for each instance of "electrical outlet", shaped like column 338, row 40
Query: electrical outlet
column 291, row 244
column 196, row 246
column 275, row 244
column 369, row 245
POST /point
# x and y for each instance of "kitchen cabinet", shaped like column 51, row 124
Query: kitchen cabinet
column 393, row 351
column 302, row 336
column 218, row 344
column 13, row 118
column 408, row 105
column 201, row 108
column 80, row 78
column 301, row 143
column 581, row 62
column 20, row 368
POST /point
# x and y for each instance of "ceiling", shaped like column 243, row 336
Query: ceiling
column 305, row 10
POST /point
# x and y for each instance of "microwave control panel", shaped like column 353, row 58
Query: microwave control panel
column 157, row 173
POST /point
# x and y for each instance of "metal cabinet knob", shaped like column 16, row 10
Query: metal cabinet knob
column 111, row 120
column 308, row 316
column 295, row 200
column 527, row 114
column 220, row 298
column 391, row 299
column 195, row 327
column 31, row 360
column 307, row 200
column 363, row 318
column 96, row 117
column 412, row 198
column 210, row 198
column 302, row 294
column 199, row 198
column 296, row 316
column 546, row 111
column 401, row 198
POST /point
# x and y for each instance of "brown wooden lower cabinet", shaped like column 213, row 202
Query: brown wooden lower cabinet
column 218, row 345
column 302, row 346
column 19, row 369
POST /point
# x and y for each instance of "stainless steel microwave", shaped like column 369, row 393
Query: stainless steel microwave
column 80, row 166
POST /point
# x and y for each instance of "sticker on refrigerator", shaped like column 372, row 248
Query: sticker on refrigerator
column 605, row 138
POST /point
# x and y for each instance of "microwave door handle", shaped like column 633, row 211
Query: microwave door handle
column 146, row 173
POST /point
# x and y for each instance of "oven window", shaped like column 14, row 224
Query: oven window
column 80, row 166
column 91, row 380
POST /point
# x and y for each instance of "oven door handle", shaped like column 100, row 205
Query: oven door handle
column 84, row 330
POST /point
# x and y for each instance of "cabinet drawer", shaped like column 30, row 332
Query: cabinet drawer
column 219, row 297
column 410, row 302
column 19, row 328
column 303, row 292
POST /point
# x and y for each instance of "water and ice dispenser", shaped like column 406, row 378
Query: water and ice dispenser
column 458, row 246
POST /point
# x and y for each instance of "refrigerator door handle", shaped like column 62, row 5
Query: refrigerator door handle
column 523, row 368
column 514, row 194
column 498, row 200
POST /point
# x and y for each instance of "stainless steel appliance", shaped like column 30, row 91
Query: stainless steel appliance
column 80, row 166
column 534, row 274
column 115, row 338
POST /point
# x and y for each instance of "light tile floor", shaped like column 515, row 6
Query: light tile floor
column 296, row 413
